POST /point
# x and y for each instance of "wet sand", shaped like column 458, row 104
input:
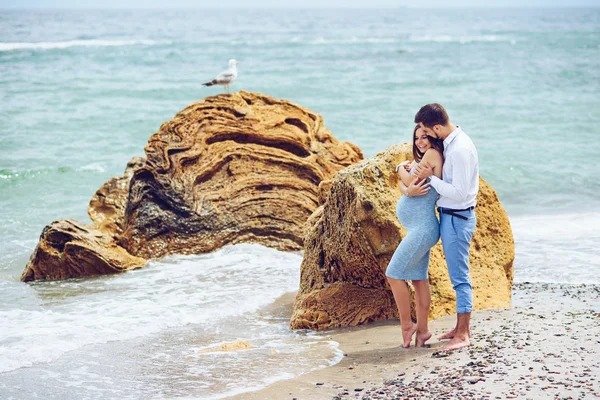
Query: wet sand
column 547, row 346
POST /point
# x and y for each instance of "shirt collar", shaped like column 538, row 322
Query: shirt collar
column 451, row 136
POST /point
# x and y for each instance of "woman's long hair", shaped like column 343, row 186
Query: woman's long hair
column 437, row 144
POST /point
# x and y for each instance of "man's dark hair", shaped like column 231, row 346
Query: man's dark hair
column 432, row 114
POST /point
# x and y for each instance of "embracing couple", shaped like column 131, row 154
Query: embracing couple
column 445, row 171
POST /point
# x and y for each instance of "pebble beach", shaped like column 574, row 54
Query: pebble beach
column 546, row 347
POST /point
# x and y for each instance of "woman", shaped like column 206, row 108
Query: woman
column 411, row 259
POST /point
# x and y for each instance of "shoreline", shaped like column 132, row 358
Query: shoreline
column 546, row 346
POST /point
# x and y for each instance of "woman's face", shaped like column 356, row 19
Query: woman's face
column 422, row 141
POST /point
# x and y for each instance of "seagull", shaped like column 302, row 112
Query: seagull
column 225, row 77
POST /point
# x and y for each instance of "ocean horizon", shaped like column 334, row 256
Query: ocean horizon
column 83, row 90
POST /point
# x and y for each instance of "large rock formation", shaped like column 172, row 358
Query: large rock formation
column 231, row 168
column 70, row 249
column 351, row 237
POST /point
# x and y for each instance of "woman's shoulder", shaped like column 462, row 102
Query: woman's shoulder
column 433, row 153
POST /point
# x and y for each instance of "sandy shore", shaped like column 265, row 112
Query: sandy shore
column 547, row 346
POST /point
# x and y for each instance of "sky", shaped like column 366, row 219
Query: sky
column 20, row 4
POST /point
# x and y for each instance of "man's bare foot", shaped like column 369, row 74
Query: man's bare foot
column 450, row 335
column 456, row 343
column 407, row 335
column 421, row 338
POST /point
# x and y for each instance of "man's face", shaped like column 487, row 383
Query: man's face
column 429, row 131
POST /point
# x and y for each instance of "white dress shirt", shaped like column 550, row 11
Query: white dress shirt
column 460, row 174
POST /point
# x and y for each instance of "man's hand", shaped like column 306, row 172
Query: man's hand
column 417, row 189
column 423, row 170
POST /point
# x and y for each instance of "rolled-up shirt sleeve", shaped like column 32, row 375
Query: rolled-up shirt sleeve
column 458, row 188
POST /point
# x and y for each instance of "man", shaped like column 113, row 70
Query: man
column 458, row 191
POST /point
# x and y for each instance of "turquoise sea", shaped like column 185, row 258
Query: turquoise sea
column 82, row 91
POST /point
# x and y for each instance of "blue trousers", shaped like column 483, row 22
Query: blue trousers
column 456, row 240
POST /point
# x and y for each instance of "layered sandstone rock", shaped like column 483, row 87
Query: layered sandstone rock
column 351, row 238
column 107, row 206
column 70, row 249
column 231, row 168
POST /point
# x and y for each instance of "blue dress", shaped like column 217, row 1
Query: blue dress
column 417, row 214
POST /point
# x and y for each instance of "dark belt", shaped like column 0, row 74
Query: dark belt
column 453, row 212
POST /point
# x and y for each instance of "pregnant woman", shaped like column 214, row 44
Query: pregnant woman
column 416, row 212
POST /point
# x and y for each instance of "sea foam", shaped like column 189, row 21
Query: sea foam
column 11, row 46
column 53, row 318
column 560, row 248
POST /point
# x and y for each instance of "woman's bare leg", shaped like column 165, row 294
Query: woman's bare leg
column 423, row 300
column 402, row 298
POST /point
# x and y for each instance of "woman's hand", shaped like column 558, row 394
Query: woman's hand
column 403, row 169
column 405, row 165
